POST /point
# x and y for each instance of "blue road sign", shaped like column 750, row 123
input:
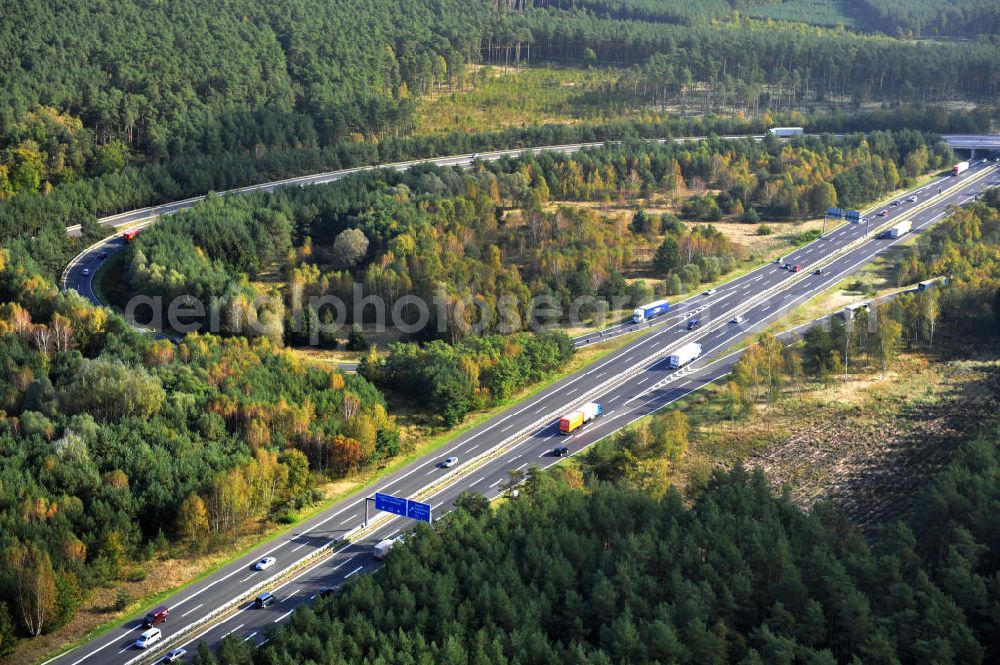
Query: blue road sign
column 390, row 504
column 397, row 505
column 418, row 511
column 852, row 214
column 836, row 213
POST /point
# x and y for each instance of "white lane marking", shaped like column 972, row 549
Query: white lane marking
column 643, row 381
column 250, row 636
column 323, row 521
column 478, row 481
column 353, row 571
column 521, row 467
column 496, row 483
column 283, row 616
column 433, row 469
column 349, row 519
column 296, row 549
column 192, row 610
column 506, row 428
column 246, row 578
column 683, row 384
column 435, row 507
column 343, row 562
column 473, row 448
column 289, row 595
column 235, row 629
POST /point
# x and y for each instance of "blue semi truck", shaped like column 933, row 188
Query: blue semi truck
column 653, row 309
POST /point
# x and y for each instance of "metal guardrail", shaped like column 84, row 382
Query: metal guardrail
column 507, row 443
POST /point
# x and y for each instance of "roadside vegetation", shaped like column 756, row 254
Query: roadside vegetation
column 119, row 451
column 513, row 230
column 838, row 395
column 880, row 548
column 116, row 444
column 575, row 572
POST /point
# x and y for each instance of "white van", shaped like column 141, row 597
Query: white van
column 148, row 638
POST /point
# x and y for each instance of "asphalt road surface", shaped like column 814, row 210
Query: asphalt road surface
column 638, row 386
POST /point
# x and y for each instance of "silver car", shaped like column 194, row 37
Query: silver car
column 265, row 563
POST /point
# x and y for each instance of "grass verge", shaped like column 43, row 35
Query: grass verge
column 346, row 489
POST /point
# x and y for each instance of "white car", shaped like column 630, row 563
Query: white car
column 710, row 292
column 737, row 321
column 174, row 655
column 265, row 563
column 450, row 462
column 86, row 271
column 912, row 199
column 148, row 638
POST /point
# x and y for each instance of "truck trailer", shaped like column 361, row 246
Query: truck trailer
column 900, row 229
column 382, row 548
column 960, row 168
column 785, row 132
column 646, row 312
column 928, row 283
column 684, row 355
column 572, row 421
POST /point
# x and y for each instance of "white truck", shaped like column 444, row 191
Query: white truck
column 684, row 355
column 900, row 229
column 960, row 168
column 785, row 132
column 382, row 548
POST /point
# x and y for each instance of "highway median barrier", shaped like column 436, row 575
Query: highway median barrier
column 511, row 441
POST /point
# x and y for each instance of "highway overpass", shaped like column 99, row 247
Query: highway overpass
column 976, row 145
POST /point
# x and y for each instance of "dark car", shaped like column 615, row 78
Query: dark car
column 325, row 592
column 819, row 271
column 156, row 615
column 102, row 255
column 694, row 323
column 265, row 599
column 560, row 451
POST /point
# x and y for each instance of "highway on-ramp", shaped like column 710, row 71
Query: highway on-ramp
column 631, row 382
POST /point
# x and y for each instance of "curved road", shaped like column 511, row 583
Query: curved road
column 630, row 383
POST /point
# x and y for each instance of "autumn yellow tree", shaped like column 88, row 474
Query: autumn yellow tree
column 192, row 520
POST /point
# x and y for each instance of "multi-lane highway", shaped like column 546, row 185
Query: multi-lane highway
column 629, row 383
